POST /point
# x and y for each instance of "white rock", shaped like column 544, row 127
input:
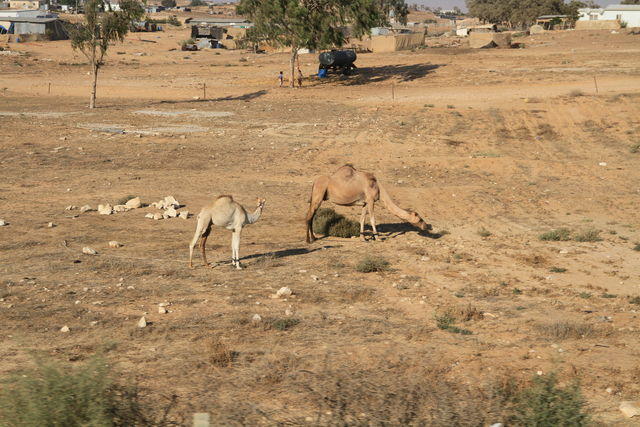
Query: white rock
column 89, row 251
column 149, row 215
column 314, row 277
column 609, row 390
column 134, row 203
column 51, row 225
column 630, row 409
column 120, row 208
column 256, row 318
column 65, row 328
column 114, row 244
column 157, row 216
column 602, row 164
column 288, row 312
column 86, row 208
column 94, row 323
column 105, row 209
column 142, row 323
column 162, row 309
column 170, row 213
column 284, row 292
column 497, row 425
column 70, row 208
column 170, row 201
column 3, row 223
column 184, row 214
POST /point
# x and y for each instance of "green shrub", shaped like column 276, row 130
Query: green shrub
column 372, row 264
column 544, row 403
column 559, row 235
column 634, row 300
column 330, row 223
column 446, row 322
column 56, row 395
column 483, row 232
column 588, row 236
column 585, row 295
column 558, row 270
column 562, row 330
column 636, row 247
column 284, row 324
column 635, row 148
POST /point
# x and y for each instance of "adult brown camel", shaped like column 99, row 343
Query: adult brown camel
column 350, row 187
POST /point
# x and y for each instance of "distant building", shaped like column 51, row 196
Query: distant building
column 45, row 28
column 628, row 14
column 220, row 22
column 25, row 4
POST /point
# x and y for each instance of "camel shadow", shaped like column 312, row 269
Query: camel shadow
column 286, row 253
column 393, row 230
column 403, row 73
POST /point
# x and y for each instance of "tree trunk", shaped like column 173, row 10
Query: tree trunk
column 94, row 75
column 294, row 55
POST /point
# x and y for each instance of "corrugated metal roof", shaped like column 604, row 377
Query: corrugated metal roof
column 31, row 20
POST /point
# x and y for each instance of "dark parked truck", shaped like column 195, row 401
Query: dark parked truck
column 341, row 61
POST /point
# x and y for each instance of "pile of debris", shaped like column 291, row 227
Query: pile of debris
column 170, row 205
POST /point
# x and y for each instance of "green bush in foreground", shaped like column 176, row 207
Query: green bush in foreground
column 559, row 235
column 330, row 223
column 543, row 403
column 53, row 395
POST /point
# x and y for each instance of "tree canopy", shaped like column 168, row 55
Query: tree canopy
column 521, row 13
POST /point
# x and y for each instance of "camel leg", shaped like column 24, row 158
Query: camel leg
column 362, row 218
column 200, row 228
column 318, row 193
column 235, row 249
column 203, row 242
column 373, row 220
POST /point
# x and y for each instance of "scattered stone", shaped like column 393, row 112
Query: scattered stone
column 630, row 409
column 51, row 225
column 288, row 312
column 120, row 208
column 70, row 208
column 497, row 425
column 94, row 323
column 284, row 292
column 602, row 164
column 3, row 223
column 115, row 244
column 315, row 278
column 134, row 203
column 184, row 214
column 65, row 328
column 86, row 208
column 170, row 213
column 256, row 318
column 609, row 390
column 170, row 201
column 162, row 309
column 142, row 323
column 89, row 251
column 157, row 216
column 105, row 209
column 149, row 215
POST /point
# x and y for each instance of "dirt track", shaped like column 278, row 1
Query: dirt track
column 497, row 140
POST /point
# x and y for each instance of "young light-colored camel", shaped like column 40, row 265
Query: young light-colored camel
column 350, row 187
column 227, row 213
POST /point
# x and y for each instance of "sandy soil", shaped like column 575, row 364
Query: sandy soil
column 494, row 146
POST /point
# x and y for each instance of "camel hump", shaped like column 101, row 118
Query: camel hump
column 347, row 171
column 225, row 196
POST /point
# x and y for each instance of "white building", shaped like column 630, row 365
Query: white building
column 624, row 13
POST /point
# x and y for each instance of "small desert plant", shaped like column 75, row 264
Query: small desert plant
column 483, row 232
column 576, row 93
column 218, row 354
column 585, row 295
column 558, row 270
column 607, row 295
column 637, row 247
column 446, row 322
column 429, row 105
column 284, row 324
column 558, row 235
column 56, row 395
column 451, row 107
column 125, row 199
column 635, row 148
column 544, row 403
column 372, row 264
column 330, row 223
column 588, row 236
column 634, row 300
column 563, row 329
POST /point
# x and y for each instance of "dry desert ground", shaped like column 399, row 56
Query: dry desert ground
column 493, row 147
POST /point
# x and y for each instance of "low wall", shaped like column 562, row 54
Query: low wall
column 484, row 40
column 598, row 25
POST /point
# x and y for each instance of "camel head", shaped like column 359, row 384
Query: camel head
column 261, row 202
column 417, row 221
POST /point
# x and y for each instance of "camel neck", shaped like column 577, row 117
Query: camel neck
column 255, row 216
